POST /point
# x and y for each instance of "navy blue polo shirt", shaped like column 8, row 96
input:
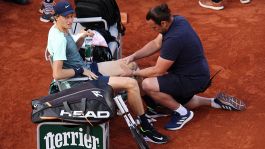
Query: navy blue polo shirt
column 182, row 45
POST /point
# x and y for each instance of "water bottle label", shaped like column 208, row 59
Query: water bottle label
column 88, row 47
column 88, row 40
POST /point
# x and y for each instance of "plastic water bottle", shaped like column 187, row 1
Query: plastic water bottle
column 88, row 48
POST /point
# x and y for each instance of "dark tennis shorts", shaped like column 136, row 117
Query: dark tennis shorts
column 181, row 88
column 101, row 78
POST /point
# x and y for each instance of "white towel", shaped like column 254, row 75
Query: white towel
column 97, row 39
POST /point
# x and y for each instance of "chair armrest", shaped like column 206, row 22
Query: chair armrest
column 75, row 79
column 61, row 83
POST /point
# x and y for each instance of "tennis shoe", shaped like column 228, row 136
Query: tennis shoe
column 153, row 136
column 178, row 121
column 211, row 5
column 230, row 103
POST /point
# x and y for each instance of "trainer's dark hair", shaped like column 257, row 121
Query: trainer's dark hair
column 159, row 13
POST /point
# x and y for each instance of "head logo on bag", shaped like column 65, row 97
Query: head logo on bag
column 89, row 114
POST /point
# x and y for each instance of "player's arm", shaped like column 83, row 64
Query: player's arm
column 81, row 39
column 59, row 72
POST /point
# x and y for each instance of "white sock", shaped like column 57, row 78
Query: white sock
column 214, row 105
column 181, row 110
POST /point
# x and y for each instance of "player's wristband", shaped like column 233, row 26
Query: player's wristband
column 78, row 71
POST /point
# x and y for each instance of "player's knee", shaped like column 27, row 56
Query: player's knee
column 131, row 83
column 133, row 66
column 147, row 85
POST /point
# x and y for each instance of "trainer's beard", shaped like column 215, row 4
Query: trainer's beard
column 163, row 31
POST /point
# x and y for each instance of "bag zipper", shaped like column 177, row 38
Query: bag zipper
column 74, row 94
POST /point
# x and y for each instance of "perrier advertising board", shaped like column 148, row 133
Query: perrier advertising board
column 52, row 135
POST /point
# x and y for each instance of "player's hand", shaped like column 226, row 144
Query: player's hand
column 90, row 33
column 90, row 74
column 87, row 33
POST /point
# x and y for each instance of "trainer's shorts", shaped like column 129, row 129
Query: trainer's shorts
column 181, row 88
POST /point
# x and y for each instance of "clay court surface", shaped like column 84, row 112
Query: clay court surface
column 234, row 41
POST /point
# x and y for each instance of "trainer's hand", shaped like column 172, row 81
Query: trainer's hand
column 90, row 74
column 127, row 72
column 129, row 59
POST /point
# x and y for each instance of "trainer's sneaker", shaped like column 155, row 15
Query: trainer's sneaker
column 153, row 136
column 151, row 113
column 245, row 1
column 46, row 18
column 211, row 5
column 227, row 102
column 178, row 121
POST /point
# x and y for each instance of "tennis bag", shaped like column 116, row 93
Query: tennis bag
column 90, row 102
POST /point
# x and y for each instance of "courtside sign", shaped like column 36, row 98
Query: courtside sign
column 70, row 136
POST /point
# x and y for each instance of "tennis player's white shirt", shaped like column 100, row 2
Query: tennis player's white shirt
column 57, row 49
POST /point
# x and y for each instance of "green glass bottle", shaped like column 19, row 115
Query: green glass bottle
column 88, row 47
